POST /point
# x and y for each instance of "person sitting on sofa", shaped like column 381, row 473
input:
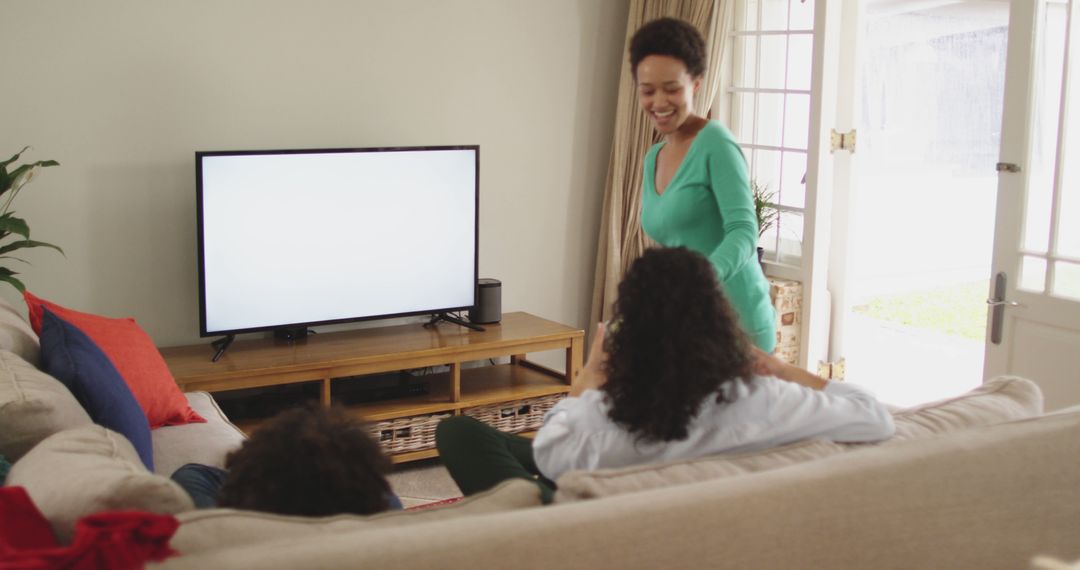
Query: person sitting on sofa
column 309, row 461
column 673, row 378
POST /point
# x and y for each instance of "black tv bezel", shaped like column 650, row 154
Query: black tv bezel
column 203, row 332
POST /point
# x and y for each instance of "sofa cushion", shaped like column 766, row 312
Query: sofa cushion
column 133, row 353
column 212, row 529
column 206, row 443
column 16, row 335
column 999, row 400
column 72, row 358
column 91, row 469
column 33, row 406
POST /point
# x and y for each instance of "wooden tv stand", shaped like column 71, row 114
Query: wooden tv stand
column 328, row 357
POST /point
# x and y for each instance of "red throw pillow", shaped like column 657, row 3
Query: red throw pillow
column 134, row 355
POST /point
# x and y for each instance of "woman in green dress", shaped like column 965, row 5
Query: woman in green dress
column 696, row 190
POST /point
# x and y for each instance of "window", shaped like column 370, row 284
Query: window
column 768, row 106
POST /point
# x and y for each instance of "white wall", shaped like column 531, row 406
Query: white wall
column 123, row 92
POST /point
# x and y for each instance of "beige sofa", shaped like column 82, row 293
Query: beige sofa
column 980, row 481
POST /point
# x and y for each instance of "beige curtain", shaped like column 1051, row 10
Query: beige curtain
column 621, row 238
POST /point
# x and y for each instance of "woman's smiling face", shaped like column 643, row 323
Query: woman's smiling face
column 666, row 91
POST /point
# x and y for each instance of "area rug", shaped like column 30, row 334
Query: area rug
column 435, row 504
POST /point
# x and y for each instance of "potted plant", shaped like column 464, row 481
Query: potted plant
column 765, row 210
column 11, row 226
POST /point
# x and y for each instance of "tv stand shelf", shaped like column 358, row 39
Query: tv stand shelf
column 327, row 357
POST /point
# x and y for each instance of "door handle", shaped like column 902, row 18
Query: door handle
column 998, row 304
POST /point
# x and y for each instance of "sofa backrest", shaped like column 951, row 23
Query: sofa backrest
column 1002, row 399
column 990, row 498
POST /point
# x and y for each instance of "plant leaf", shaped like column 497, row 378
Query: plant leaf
column 10, row 223
column 14, row 282
column 14, row 158
column 8, row 276
column 15, row 258
column 24, row 243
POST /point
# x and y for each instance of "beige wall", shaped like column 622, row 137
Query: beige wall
column 122, row 93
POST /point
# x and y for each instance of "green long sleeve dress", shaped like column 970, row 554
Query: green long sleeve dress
column 708, row 208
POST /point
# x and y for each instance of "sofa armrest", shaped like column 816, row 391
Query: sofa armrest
column 207, row 443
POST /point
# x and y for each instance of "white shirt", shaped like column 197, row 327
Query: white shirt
column 763, row 412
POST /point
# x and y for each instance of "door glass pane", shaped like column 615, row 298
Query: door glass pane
column 745, row 60
column 775, row 14
column 1067, row 279
column 802, row 15
column 742, row 116
column 790, row 237
column 1047, row 95
column 793, row 188
column 1033, row 274
column 770, row 117
column 774, row 51
column 746, row 16
column 797, row 121
column 766, row 168
column 800, row 52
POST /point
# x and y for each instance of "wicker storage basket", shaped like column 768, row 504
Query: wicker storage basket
column 407, row 434
column 515, row 416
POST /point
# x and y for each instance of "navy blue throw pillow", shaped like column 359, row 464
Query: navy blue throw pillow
column 68, row 355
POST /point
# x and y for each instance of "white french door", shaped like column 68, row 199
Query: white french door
column 1034, row 325
column 914, row 205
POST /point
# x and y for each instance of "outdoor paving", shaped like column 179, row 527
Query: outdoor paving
column 905, row 366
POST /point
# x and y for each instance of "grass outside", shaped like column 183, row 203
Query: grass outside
column 956, row 309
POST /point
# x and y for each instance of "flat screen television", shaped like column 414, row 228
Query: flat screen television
column 295, row 238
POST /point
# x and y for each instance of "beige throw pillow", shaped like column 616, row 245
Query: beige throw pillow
column 212, row 529
column 33, row 406
column 91, row 469
column 999, row 400
column 17, row 336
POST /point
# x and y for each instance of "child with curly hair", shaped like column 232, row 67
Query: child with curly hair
column 675, row 377
column 308, row 461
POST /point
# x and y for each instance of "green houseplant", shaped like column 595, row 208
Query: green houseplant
column 10, row 225
column 764, row 209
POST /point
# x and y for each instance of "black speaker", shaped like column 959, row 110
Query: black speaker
column 488, row 307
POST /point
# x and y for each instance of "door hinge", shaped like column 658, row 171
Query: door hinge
column 1008, row 167
column 832, row 370
column 842, row 141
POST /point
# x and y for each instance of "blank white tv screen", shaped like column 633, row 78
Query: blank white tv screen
column 306, row 237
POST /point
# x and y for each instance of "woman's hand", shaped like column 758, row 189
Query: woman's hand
column 766, row 364
column 592, row 376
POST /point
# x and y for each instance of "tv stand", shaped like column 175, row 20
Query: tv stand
column 452, row 319
column 327, row 364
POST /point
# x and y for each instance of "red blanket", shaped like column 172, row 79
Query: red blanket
column 125, row 539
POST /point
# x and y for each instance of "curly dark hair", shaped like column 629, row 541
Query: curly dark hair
column 310, row 461
column 671, row 37
column 676, row 342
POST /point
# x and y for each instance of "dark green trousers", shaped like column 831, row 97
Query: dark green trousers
column 480, row 457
